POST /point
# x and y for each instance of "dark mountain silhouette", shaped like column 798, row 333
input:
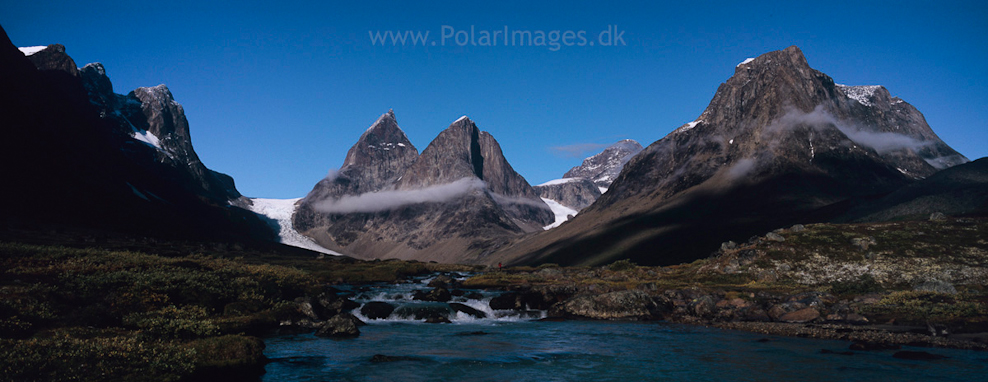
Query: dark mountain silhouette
column 76, row 156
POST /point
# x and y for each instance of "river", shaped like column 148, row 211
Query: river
column 509, row 346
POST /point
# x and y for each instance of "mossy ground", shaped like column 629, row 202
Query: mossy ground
column 174, row 311
column 95, row 314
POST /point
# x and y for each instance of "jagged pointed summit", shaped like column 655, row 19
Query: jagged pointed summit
column 780, row 143
column 456, row 202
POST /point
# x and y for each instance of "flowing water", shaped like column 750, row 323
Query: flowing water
column 512, row 346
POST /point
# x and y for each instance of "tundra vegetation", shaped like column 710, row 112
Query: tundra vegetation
column 180, row 311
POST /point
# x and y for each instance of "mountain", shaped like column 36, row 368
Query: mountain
column 583, row 184
column 455, row 202
column 79, row 158
column 780, row 143
column 605, row 166
column 152, row 116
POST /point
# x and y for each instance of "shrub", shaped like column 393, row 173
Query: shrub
column 864, row 284
column 173, row 322
column 63, row 357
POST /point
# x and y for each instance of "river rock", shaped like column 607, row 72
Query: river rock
column 757, row 315
column 778, row 310
column 422, row 312
column 328, row 304
column 443, row 281
column 439, row 294
column 340, row 326
column 376, row 310
column 800, row 316
column 458, row 307
column 304, row 306
column 703, row 306
column 622, row 305
column 438, row 320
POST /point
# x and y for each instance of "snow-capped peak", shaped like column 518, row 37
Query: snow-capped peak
column 460, row 119
column 747, row 60
column 862, row 93
column 29, row 50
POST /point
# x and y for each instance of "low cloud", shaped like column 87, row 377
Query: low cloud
column 578, row 150
column 881, row 142
column 389, row 200
column 332, row 174
column 504, row 199
column 742, row 168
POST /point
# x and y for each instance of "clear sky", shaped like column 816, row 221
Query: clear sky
column 276, row 92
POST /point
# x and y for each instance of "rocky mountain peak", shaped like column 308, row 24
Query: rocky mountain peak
column 455, row 202
column 779, row 143
column 378, row 159
column 98, row 86
column 165, row 120
column 382, row 141
column 453, row 155
column 52, row 57
column 602, row 168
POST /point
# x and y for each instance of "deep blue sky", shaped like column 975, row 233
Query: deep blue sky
column 276, row 94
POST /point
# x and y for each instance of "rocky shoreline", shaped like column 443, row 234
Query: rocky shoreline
column 811, row 314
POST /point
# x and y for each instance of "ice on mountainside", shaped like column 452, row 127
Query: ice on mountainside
column 281, row 210
column 562, row 213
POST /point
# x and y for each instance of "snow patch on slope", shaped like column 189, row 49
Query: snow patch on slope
column 688, row 126
column 281, row 210
column 147, row 137
column 562, row 213
column 559, row 181
column 29, row 50
column 747, row 60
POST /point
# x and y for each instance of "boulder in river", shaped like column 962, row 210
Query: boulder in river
column 458, row 307
column 439, row 294
column 377, row 310
column 342, row 325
